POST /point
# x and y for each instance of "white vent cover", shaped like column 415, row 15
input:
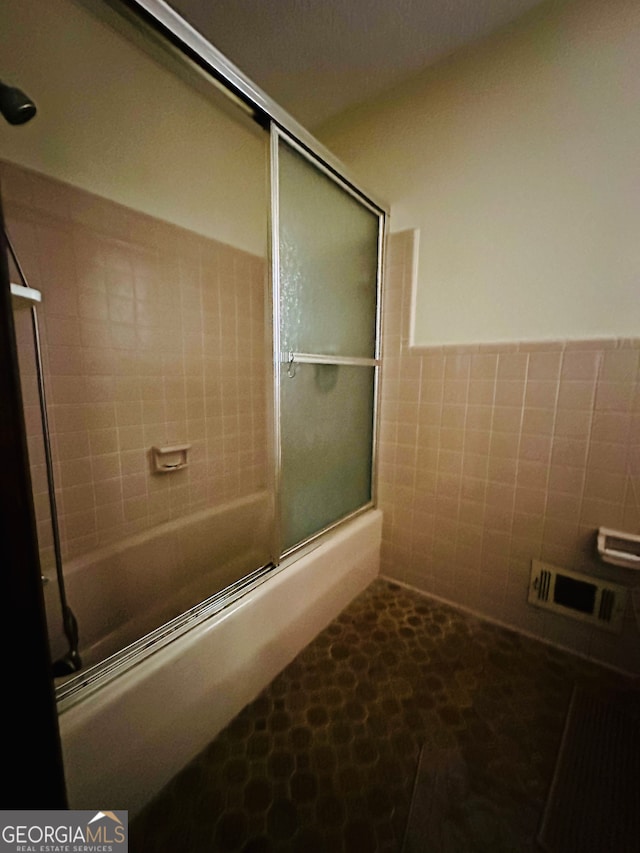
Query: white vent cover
column 577, row 595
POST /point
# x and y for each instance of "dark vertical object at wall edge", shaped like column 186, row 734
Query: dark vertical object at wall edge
column 33, row 769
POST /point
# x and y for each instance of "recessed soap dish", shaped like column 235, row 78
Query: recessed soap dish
column 169, row 459
column 618, row 548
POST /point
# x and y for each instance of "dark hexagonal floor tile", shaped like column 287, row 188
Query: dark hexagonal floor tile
column 324, row 760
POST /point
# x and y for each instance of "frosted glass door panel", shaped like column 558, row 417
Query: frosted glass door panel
column 328, row 263
column 327, row 432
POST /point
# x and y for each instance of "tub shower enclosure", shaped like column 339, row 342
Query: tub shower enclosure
column 196, row 299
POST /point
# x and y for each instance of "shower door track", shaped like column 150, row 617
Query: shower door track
column 238, row 86
column 95, row 677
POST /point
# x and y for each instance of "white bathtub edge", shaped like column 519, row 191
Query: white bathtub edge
column 122, row 744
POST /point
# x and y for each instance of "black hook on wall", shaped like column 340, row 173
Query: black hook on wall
column 15, row 106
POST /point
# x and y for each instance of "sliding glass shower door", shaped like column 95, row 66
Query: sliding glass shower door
column 141, row 217
column 176, row 462
column 327, row 271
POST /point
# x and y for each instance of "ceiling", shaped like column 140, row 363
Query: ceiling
column 316, row 58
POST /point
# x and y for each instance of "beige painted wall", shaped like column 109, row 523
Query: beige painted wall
column 518, row 160
column 112, row 121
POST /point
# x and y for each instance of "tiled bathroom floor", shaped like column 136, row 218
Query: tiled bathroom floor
column 325, row 758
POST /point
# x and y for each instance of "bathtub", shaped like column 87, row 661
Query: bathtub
column 123, row 591
column 122, row 743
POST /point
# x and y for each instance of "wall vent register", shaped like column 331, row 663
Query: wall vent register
column 577, row 595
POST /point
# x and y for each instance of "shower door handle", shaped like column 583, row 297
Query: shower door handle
column 293, row 358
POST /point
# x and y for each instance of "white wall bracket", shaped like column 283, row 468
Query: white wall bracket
column 618, row 548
